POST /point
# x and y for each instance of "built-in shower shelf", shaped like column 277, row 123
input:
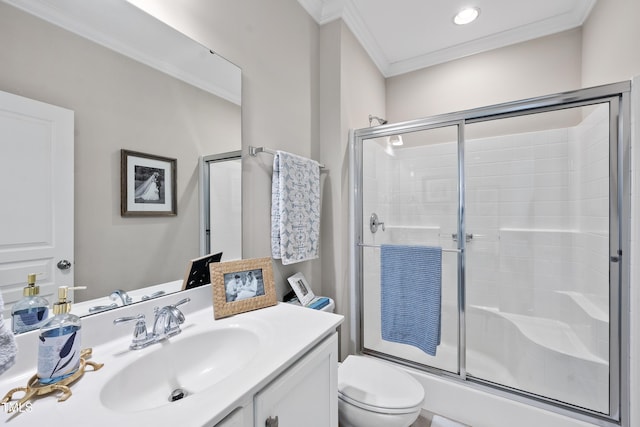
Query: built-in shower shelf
column 595, row 307
column 551, row 334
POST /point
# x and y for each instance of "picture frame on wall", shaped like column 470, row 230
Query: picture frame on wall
column 148, row 185
column 241, row 286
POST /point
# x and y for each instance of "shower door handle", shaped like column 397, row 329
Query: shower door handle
column 467, row 237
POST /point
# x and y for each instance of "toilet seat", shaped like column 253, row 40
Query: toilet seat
column 375, row 386
column 376, row 409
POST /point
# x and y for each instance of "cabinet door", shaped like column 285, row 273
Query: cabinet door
column 306, row 394
column 240, row 417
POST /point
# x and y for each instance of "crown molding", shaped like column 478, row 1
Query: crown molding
column 507, row 38
column 354, row 21
column 324, row 11
column 313, row 8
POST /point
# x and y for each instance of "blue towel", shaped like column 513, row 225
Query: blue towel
column 411, row 295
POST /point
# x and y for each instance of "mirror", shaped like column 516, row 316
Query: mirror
column 133, row 83
column 222, row 204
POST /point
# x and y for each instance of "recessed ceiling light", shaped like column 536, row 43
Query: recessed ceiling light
column 466, row 15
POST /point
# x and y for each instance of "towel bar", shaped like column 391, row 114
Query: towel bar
column 253, row 151
column 377, row 246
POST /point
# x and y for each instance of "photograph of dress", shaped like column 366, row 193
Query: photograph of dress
column 149, row 185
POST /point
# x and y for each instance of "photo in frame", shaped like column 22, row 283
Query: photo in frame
column 147, row 185
column 301, row 288
column 198, row 272
column 241, row 286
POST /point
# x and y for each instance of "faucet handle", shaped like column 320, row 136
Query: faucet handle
column 141, row 338
column 122, row 295
column 128, row 319
column 182, row 301
column 168, row 320
column 177, row 315
column 153, row 295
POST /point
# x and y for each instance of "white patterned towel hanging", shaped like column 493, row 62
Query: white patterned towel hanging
column 8, row 347
column 295, row 208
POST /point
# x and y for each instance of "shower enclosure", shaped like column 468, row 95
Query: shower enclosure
column 529, row 201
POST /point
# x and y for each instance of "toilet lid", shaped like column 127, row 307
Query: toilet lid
column 376, row 384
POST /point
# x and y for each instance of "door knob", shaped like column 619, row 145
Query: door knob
column 271, row 422
column 64, row 264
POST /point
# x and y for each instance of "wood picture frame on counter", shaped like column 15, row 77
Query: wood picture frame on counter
column 241, row 286
column 148, row 185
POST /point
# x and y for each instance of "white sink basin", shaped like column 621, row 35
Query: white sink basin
column 190, row 365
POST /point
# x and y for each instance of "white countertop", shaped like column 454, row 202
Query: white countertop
column 286, row 333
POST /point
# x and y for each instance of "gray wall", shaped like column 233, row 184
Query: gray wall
column 543, row 66
column 352, row 88
column 610, row 39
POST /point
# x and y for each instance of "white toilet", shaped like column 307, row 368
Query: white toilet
column 374, row 394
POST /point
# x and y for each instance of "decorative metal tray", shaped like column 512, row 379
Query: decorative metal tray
column 35, row 388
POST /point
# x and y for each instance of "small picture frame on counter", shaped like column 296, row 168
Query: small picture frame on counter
column 301, row 288
column 241, row 286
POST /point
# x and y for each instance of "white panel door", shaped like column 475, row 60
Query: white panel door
column 36, row 196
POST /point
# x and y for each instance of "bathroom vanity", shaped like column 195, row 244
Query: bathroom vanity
column 269, row 367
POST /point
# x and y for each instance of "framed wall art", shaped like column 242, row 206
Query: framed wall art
column 147, row 185
column 240, row 286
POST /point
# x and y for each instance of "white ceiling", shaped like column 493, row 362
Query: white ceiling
column 406, row 35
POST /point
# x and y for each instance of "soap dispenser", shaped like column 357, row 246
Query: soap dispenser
column 31, row 311
column 59, row 344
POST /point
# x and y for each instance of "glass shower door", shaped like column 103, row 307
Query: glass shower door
column 410, row 184
column 537, row 262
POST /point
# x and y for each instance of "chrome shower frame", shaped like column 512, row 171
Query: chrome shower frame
column 618, row 97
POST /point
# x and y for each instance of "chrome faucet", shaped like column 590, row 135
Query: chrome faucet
column 166, row 324
column 124, row 297
column 168, row 320
column 115, row 295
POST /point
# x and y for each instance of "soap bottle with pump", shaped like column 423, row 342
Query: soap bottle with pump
column 31, row 311
column 59, row 341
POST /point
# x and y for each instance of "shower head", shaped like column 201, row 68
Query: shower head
column 380, row 121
